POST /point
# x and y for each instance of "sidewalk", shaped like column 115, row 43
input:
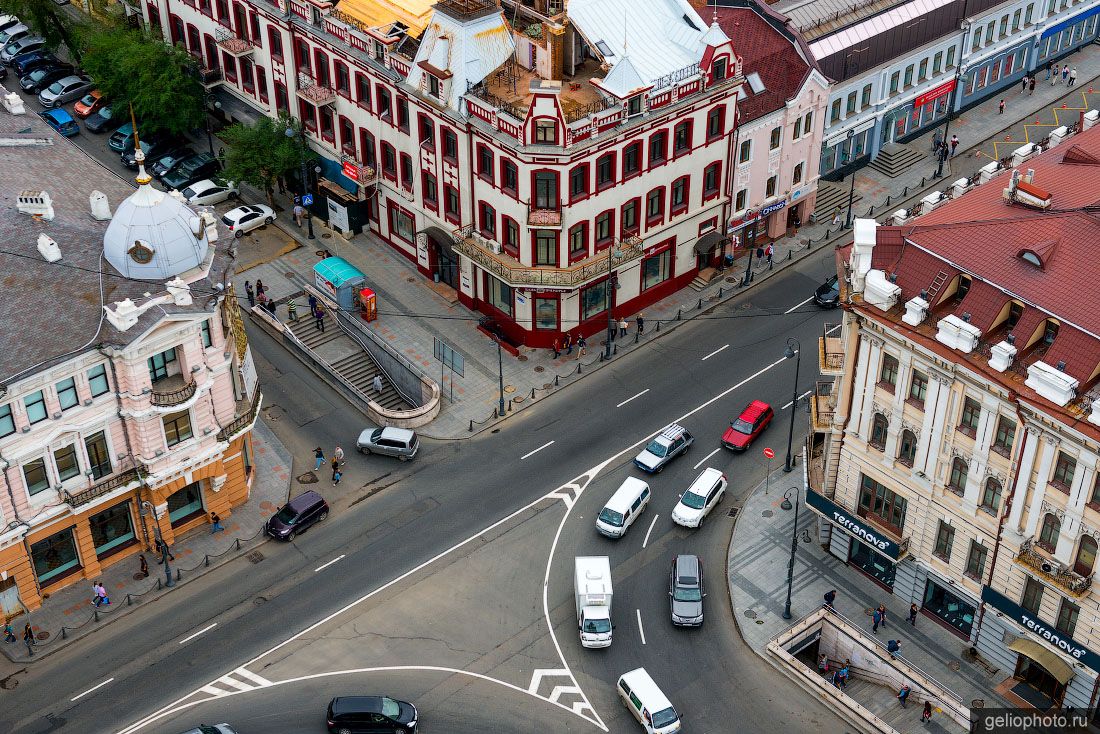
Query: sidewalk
column 69, row 614
column 758, row 556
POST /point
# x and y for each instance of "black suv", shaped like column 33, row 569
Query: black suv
column 297, row 516
column 369, row 714
column 155, row 146
column 827, row 294
column 189, row 171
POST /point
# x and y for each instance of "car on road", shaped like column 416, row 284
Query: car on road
column 22, row 46
column 8, row 21
column 38, row 79
column 246, row 218
column 192, row 169
column 103, row 121
column 685, row 591
column 210, row 729
column 399, row 442
column 165, row 160
column 209, row 191
column 369, row 714
column 756, row 416
column 647, row 703
column 297, row 516
column 23, row 64
column 65, row 90
column 154, row 146
column 827, row 294
column 624, row 507
column 672, row 441
column 89, row 104
column 701, row 497
column 61, row 121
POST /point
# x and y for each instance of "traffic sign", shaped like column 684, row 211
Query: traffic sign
column 769, row 453
column 307, row 199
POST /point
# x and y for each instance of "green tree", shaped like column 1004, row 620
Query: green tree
column 61, row 28
column 260, row 154
column 159, row 81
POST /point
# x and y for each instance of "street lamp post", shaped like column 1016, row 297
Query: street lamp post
column 786, row 505
column 796, row 352
column 500, row 376
column 290, row 133
column 206, row 97
column 612, row 253
column 852, row 189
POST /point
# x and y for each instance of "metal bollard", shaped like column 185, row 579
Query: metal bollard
column 557, row 380
column 888, row 200
column 129, row 601
column 159, row 583
column 95, row 614
column 922, row 182
column 64, row 634
column 721, row 287
column 179, row 575
column 658, row 324
column 905, row 191
column 790, row 256
column 637, row 336
column 206, row 560
column 700, row 306
column 238, row 543
column 532, row 393
column 615, row 349
column 871, row 211
column 679, row 313
column 471, row 425
column 579, row 364
column 509, row 405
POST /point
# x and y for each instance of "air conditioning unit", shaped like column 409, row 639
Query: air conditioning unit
column 1052, row 567
column 494, row 246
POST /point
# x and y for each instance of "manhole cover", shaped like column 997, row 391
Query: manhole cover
column 259, row 601
column 733, row 512
column 509, row 389
column 138, row 576
column 732, row 279
column 766, row 513
column 289, row 275
column 547, row 385
column 307, row 478
column 954, row 665
column 319, row 253
column 326, row 236
column 750, row 613
column 42, row 635
column 517, row 399
column 522, row 358
column 255, row 557
column 540, row 368
column 745, row 306
column 411, row 280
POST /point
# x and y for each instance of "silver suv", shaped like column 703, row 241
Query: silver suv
column 399, row 442
column 685, row 591
column 666, row 445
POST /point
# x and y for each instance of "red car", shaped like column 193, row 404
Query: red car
column 753, row 420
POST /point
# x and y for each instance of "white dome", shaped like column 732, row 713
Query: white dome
column 152, row 236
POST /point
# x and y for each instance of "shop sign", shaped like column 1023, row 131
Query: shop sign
column 351, row 170
column 1059, row 641
column 934, row 94
column 843, row 519
column 796, row 194
column 546, row 290
column 770, row 208
column 736, row 224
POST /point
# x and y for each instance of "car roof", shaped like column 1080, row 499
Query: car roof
column 356, row 704
column 753, row 410
column 687, row 565
column 305, row 499
column 60, row 115
column 643, row 686
column 200, row 186
column 74, row 78
column 398, row 434
column 626, row 493
column 709, row 476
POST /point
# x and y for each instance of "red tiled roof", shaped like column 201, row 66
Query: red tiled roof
column 1078, row 350
column 769, row 53
column 984, row 303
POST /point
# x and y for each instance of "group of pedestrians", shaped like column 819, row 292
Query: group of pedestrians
column 29, row 638
column 317, row 311
column 1067, row 75
column 337, row 463
column 566, row 343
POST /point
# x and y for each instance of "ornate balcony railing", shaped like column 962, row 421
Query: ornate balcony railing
column 99, row 489
column 1053, row 570
column 830, row 351
column 231, row 44
column 313, row 92
column 890, row 531
column 482, row 92
column 822, row 405
column 544, row 217
column 167, row 398
column 592, row 108
column 210, row 76
column 243, row 421
column 472, row 245
column 677, row 76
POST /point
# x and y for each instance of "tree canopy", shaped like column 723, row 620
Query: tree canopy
column 262, row 153
column 160, row 81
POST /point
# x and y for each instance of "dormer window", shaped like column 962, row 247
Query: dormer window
column 546, row 132
column 1015, row 311
column 718, row 70
column 434, row 87
column 379, row 52
column 1050, row 332
column 963, row 288
column 1030, row 257
column 634, row 105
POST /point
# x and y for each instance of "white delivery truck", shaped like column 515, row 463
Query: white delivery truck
column 592, row 584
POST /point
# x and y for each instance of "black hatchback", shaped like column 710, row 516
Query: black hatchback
column 369, row 714
column 297, row 516
column 827, row 294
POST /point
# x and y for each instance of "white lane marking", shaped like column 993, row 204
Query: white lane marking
column 830, row 331
column 257, row 679
column 323, row 566
column 712, row 453
column 716, row 351
column 800, row 305
column 643, row 392
column 640, row 630
column 799, row 397
column 93, row 688
column 207, row 628
column 580, row 484
column 532, row 453
column 646, row 541
column 540, row 673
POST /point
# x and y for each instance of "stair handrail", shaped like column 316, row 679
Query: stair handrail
column 358, row 340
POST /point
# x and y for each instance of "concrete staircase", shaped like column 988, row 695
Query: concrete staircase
column 360, row 370
column 833, row 195
column 702, row 280
column 894, row 159
column 883, row 702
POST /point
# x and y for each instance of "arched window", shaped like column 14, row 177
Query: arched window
column 1048, row 535
column 907, row 452
column 1086, row 556
column 991, row 496
column 957, row 480
column 879, row 427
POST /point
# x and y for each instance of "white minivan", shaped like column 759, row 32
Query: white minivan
column 649, row 706
column 620, row 512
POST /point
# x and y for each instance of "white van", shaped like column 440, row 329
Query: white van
column 623, row 508
column 646, row 702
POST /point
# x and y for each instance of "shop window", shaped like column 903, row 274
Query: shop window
column 879, row 429
column 918, row 389
column 163, row 364
column 945, row 538
column 66, row 463
column 1048, row 533
column 954, row 611
column 500, row 295
column 99, row 461
column 1064, row 470
column 632, row 155
column 971, row 414
column 594, row 300
column 112, row 530
column 7, row 420
column 34, row 474
column 1068, row 611
column 546, row 313
column 975, row 560
column 1085, row 560
column 907, row 448
column 546, row 247
column 35, row 403
column 656, row 269
column 991, row 496
column 55, row 557
column 185, row 504
column 177, row 427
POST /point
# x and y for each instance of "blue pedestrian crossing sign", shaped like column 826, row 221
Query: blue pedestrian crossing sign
column 307, row 199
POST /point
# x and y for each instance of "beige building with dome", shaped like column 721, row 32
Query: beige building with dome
column 127, row 390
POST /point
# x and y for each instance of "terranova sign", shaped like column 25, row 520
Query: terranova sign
column 852, row 524
column 1058, row 640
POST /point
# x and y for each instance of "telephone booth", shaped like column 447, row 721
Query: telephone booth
column 368, row 304
column 340, row 280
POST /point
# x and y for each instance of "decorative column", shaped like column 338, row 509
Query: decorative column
column 1023, row 478
column 1035, row 505
column 870, row 356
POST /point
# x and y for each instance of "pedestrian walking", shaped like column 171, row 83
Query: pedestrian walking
column 582, row 347
column 1031, row 86
column 893, row 647
column 299, row 214
column 913, row 614
column 319, row 318
column 937, row 141
column 823, row 664
column 9, row 633
column 926, row 715
column 377, row 384
column 335, row 467
column 836, row 679
column 336, row 477
column 1023, row 84
column 836, row 216
column 903, row 694
column 260, row 287
column 338, row 455
column 1001, row 107
column 319, row 455
column 567, row 343
column 144, row 564
column 101, row 594
column 28, row 638
column 1050, row 68
column 1073, row 76
column 882, row 613
column 554, row 346
column 164, row 550
column 769, row 252
column 292, row 311
column 250, row 293
column 954, row 144
column 1065, row 73
column 622, row 327
column 830, row 597
column 641, row 324
column 312, row 303
column 843, row 676
column 216, row 523
column 876, row 621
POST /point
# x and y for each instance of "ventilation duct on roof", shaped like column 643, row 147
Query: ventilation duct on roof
column 35, row 203
column 958, row 334
column 48, row 249
column 1055, row 386
column 1023, row 192
column 1002, row 353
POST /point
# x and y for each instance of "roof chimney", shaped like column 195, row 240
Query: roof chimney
column 48, row 249
column 35, row 203
column 101, row 209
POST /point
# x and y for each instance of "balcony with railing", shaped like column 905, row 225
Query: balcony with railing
column 488, row 255
column 888, row 530
column 210, row 76
column 1033, row 556
column 172, row 391
column 231, row 43
column 106, row 486
column 313, row 91
column 823, row 405
column 544, row 217
column 244, row 421
column 830, row 351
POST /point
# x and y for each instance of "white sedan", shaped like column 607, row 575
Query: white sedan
column 247, row 218
column 699, row 499
column 209, row 191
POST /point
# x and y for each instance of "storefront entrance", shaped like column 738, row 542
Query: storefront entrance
column 874, row 565
column 185, row 504
column 956, row 614
column 1036, row 686
column 444, row 262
